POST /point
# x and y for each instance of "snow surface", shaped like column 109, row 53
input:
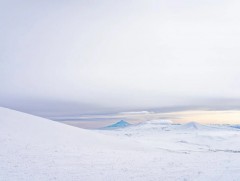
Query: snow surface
column 33, row 148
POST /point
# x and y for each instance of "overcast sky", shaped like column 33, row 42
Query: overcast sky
column 85, row 57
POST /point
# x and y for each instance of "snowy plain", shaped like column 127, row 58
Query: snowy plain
column 33, row 148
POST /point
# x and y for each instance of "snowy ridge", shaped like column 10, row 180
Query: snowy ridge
column 35, row 148
column 32, row 129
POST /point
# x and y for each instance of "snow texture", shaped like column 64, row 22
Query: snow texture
column 37, row 149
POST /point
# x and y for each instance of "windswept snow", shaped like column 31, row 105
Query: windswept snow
column 33, row 148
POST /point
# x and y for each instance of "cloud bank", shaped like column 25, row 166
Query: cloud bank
column 81, row 57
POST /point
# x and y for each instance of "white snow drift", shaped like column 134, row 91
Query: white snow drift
column 33, row 148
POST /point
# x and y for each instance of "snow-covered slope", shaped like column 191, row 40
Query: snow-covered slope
column 33, row 148
column 36, row 149
column 28, row 129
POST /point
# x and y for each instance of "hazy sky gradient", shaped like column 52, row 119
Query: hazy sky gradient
column 90, row 57
column 204, row 117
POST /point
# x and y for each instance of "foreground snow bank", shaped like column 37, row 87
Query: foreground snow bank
column 33, row 148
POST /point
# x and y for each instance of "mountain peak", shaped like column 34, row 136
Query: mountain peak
column 119, row 124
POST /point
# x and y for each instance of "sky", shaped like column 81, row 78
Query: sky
column 71, row 58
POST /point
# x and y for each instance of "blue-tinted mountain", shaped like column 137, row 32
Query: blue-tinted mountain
column 119, row 124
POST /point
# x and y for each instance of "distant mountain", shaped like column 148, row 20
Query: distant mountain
column 119, row 124
column 192, row 125
column 237, row 126
column 197, row 126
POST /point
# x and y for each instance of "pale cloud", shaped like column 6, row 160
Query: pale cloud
column 121, row 56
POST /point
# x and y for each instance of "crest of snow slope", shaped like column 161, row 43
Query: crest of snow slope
column 33, row 148
column 25, row 128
